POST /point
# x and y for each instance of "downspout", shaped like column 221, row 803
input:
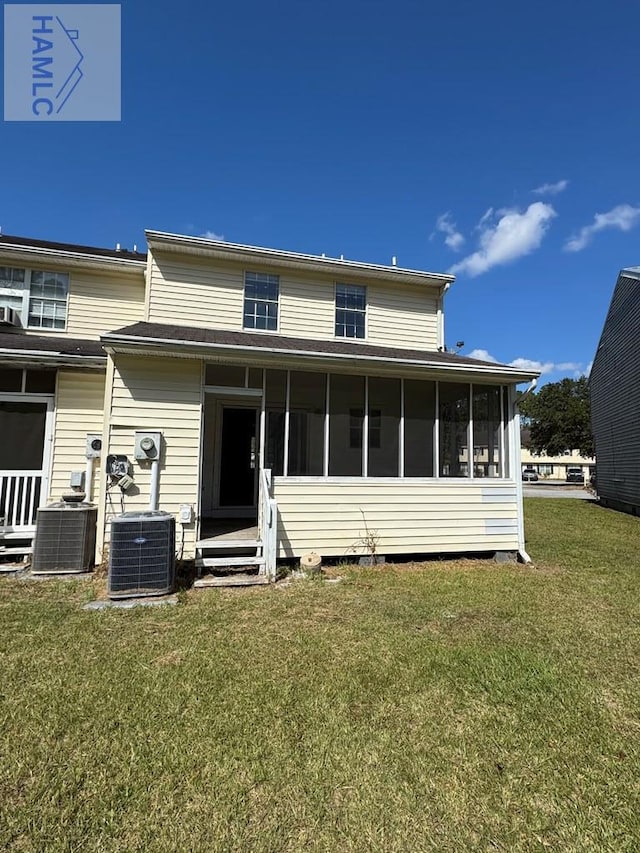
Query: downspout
column 516, row 461
column 440, row 312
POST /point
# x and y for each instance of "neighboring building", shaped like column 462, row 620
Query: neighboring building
column 309, row 394
column 554, row 467
column 615, row 398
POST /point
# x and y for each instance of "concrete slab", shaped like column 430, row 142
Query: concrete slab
column 130, row 603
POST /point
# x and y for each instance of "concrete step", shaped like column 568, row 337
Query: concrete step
column 230, row 580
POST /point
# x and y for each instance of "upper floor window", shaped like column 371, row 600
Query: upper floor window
column 261, row 301
column 39, row 297
column 351, row 309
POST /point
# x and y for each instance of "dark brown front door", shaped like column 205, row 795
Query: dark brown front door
column 238, row 457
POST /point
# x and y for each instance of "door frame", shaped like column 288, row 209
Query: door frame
column 219, row 511
column 47, row 450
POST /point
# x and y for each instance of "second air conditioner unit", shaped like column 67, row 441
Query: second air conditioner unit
column 142, row 555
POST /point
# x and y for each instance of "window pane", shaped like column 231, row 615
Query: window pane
column 507, row 417
column 229, row 375
column 307, row 397
column 384, row 427
column 10, row 379
column 351, row 301
column 419, row 419
column 486, row 431
column 261, row 301
column 346, row 395
column 454, row 422
column 275, row 407
column 40, row 382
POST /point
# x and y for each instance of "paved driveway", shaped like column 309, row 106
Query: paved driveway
column 547, row 490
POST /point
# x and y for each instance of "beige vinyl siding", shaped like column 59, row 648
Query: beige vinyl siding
column 79, row 410
column 402, row 316
column 98, row 302
column 409, row 517
column 196, row 292
column 158, row 394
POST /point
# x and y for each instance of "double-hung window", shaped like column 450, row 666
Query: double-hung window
column 38, row 297
column 351, row 309
column 261, row 293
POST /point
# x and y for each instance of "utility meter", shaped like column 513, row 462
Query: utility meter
column 93, row 449
column 147, row 446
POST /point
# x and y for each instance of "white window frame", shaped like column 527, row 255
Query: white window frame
column 364, row 312
column 24, row 293
column 258, row 300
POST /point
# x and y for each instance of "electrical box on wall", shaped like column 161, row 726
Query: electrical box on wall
column 148, row 446
column 93, row 449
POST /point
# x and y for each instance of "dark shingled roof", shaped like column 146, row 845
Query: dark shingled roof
column 19, row 342
column 224, row 337
column 31, row 243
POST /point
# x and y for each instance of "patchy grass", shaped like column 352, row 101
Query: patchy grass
column 449, row 706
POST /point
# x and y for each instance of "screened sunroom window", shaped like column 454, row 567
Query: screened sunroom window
column 307, row 397
column 487, row 425
column 351, row 309
column 419, row 420
column 454, row 429
column 261, row 293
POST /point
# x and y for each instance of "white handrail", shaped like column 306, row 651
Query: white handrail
column 267, row 521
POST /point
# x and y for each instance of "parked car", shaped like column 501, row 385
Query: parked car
column 530, row 475
column 575, row 475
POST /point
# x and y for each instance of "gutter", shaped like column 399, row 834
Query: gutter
column 65, row 255
column 510, row 372
column 44, row 356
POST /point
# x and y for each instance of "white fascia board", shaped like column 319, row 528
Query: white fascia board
column 52, row 358
column 511, row 374
column 75, row 259
column 277, row 257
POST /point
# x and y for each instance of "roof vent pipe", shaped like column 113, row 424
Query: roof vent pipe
column 394, row 261
column 117, row 247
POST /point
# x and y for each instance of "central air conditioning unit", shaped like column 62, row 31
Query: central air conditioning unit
column 65, row 538
column 142, row 556
column 9, row 317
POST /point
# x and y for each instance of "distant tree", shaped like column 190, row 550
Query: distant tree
column 558, row 418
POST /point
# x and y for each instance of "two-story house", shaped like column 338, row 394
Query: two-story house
column 309, row 397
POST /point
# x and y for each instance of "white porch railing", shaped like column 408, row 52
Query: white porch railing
column 20, row 493
column 268, row 523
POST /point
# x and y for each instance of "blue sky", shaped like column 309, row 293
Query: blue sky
column 371, row 129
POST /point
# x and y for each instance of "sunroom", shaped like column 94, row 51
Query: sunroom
column 343, row 439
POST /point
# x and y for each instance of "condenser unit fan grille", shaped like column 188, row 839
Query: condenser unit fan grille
column 65, row 539
column 142, row 555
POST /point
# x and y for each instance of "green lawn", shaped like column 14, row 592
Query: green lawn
column 450, row 706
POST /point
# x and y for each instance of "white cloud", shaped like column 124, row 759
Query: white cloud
column 514, row 235
column 530, row 364
column 454, row 239
column 543, row 367
column 623, row 217
column 551, row 189
column 212, row 235
column 482, row 355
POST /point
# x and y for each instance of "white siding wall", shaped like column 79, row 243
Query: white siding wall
column 158, row 394
column 197, row 292
column 409, row 516
column 79, row 410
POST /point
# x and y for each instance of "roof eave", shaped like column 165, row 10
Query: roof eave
column 78, row 259
column 113, row 343
column 52, row 359
column 279, row 258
